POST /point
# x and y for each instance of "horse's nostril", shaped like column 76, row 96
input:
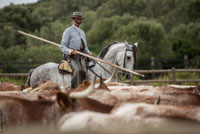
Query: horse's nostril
column 128, row 76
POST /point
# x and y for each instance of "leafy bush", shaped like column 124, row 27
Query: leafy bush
column 16, row 59
column 185, row 40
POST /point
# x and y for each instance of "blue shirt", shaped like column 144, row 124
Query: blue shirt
column 72, row 39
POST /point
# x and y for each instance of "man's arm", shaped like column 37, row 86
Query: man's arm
column 64, row 43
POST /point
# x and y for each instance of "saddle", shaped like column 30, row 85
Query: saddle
column 64, row 67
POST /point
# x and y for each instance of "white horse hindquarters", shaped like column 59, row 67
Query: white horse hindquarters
column 63, row 80
column 49, row 71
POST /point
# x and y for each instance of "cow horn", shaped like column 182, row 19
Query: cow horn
column 84, row 93
column 111, row 77
column 99, row 83
column 34, row 90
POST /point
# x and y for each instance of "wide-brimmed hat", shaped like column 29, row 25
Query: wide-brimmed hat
column 77, row 15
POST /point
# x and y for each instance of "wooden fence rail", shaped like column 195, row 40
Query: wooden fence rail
column 13, row 74
column 132, row 81
column 173, row 80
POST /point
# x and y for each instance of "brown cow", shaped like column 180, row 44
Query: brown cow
column 47, row 85
column 23, row 111
column 130, row 115
column 7, row 86
column 27, row 96
column 81, row 100
column 148, row 94
column 46, row 90
column 19, row 111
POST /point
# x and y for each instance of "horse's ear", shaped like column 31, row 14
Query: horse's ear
column 127, row 44
column 136, row 44
column 135, row 47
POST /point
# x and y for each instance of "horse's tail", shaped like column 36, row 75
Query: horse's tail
column 28, row 81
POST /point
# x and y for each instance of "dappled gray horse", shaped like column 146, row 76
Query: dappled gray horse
column 120, row 53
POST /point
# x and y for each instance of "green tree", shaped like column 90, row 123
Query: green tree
column 16, row 59
column 151, row 37
column 7, row 36
column 185, row 41
column 115, row 7
column 52, row 32
column 9, row 58
column 193, row 10
column 45, row 53
column 103, row 30
column 13, row 18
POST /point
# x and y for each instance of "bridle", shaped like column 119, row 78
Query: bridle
column 134, row 50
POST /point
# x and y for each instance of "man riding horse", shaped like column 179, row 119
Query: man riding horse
column 74, row 40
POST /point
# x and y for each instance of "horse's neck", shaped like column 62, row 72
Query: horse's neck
column 100, row 70
column 110, row 56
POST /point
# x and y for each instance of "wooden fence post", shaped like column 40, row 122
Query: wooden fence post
column 152, row 66
column 30, row 64
column 173, row 75
column 186, row 61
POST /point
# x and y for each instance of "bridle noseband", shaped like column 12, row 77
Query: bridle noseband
column 134, row 50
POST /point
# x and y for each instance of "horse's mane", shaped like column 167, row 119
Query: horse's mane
column 104, row 51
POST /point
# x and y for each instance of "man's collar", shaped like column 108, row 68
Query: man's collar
column 76, row 27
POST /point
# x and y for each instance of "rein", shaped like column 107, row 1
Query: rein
column 91, row 66
column 103, row 67
column 94, row 73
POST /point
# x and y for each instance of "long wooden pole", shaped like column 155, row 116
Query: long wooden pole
column 83, row 54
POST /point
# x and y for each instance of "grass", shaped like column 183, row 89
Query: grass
column 179, row 76
column 17, row 81
column 167, row 76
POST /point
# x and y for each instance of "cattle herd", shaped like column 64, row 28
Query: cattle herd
column 101, row 107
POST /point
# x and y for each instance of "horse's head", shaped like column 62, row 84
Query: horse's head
column 127, row 58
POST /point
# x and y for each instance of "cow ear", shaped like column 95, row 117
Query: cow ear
column 64, row 101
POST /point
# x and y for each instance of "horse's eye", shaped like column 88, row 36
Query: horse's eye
column 128, row 57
